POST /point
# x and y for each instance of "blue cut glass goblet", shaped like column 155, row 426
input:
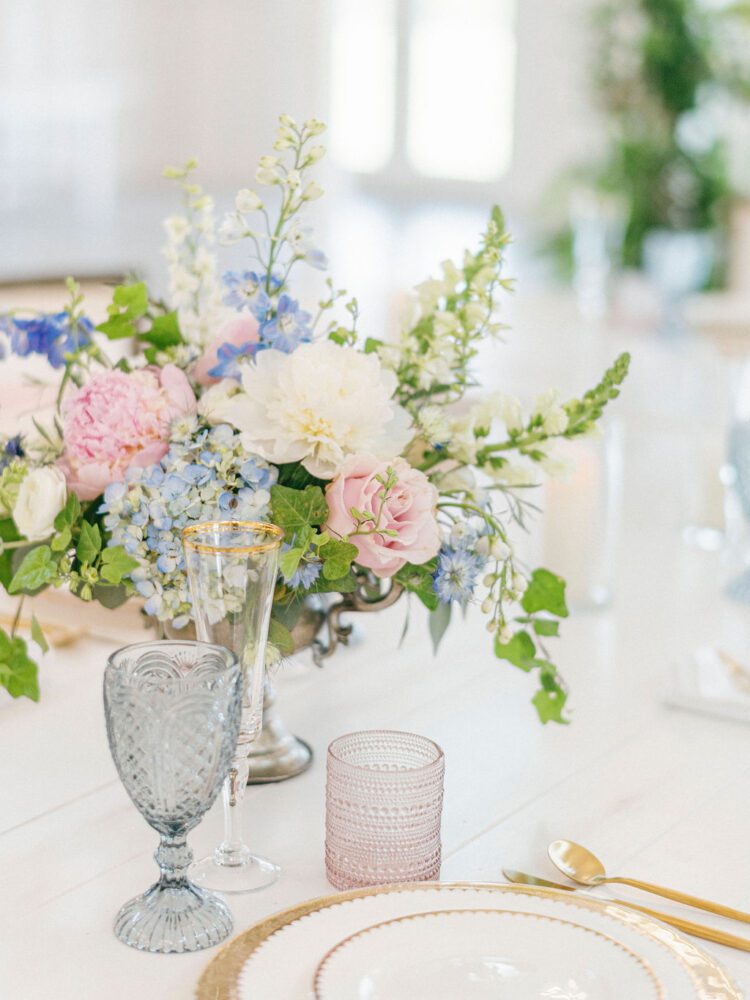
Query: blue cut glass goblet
column 173, row 716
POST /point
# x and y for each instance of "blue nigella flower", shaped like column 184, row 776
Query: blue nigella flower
column 52, row 335
column 305, row 575
column 12, row 449
column 456, row 575
column 289, row 327
column 229, row 358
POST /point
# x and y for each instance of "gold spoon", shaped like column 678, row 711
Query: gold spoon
column 686, row 926
column 580, row 865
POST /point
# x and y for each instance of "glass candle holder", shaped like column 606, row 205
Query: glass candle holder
column 384, row 799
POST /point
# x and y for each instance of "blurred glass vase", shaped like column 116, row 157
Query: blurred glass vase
column 232, row 567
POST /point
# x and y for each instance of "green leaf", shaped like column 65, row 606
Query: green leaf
column 69, row 514
column 164, row 332
column 520, row 651
column 18, row 672
column 8, row 533
column 129, row 303
column 346, row 585
column 89, row 543
column 337, row 558
column 294, row 510
column 418, row 580
column 61, row 541
column 294, row 474
column 280, row 637
column 109, row 596
column 36, row 571
column 372, row 344
column 545, row 592
column 545, row 626
column 116, row 564
column 37, row 635
column 497, row 218
column 289, row 562
column 439, row 621
column 550, row 704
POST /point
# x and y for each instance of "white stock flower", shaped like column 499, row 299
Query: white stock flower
column 521, row 473
column 177, row 227
column 247, row 200
column 318, row 405
column 556, row 421
column 511, row 413
column 434, row 424
column 312, row 191
column 232, row 229
column 41, row 497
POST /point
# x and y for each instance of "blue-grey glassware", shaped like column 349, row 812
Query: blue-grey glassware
column 173, row 716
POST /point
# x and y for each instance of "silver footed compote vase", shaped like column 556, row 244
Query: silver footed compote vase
column 173, row 716
column 232, row 568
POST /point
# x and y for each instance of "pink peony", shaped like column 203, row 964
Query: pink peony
column 409, row 511
column 240, row 330
column 117, row 420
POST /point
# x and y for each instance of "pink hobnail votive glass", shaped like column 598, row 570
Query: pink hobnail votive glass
column 384, row 799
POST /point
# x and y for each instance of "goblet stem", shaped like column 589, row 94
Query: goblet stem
column 173, row 856
column 232, row 850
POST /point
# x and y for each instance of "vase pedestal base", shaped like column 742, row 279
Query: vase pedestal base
column 277, row 754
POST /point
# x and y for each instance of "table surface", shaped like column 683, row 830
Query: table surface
column 656, row 792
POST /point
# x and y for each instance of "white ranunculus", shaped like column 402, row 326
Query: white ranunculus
column 41, row 497
column 318, row 405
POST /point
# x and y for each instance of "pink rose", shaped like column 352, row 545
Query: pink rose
column 240, row 330
column 409, row 512
column 117, row 420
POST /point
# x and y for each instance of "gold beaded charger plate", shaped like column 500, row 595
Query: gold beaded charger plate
column 278, row 957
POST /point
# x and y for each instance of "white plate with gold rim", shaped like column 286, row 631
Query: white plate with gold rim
column 278, row 957
column 483, row 955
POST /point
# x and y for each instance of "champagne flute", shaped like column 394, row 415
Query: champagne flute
column 232, row 567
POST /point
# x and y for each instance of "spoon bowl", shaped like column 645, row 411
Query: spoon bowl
column 578, row 863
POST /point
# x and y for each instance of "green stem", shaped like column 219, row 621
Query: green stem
column 16, row 618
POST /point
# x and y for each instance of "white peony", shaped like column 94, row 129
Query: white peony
column 41, row 497
column 212, row 405
column 318, row 405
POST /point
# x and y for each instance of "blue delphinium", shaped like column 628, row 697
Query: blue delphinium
column 289, row 328
column 229, row 356
column 52, row 335
column 247, row 290
column 456, row 575
column 207, row 477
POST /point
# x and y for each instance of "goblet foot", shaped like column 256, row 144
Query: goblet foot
column 234, row 871
column 176, row 918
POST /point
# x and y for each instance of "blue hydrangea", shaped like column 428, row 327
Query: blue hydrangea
column 209, row 477
column 456, row 575
column 52, row 335
column 288, row 328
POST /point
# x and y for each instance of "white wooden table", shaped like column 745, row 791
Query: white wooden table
column 656, row 792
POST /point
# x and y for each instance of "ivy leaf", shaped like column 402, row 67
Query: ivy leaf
column 61, row 541
column 545, row 592
column 18, row 672
column 89, row 543
column 289, row 562
column 292, row 510
column 280, row 637
column 129, row 304
column 545, row 626
column 116, row 563
column 36, row 571
column 37, row 635
column 520, row 651
column 337, row 558
column 108, row 596
column 69, row 514
column 418, row 580
column 439, row 621
column 346, row 585
column 8, row 533
column 164, row 332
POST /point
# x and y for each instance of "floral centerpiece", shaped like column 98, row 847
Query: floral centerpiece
column 240, row 404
